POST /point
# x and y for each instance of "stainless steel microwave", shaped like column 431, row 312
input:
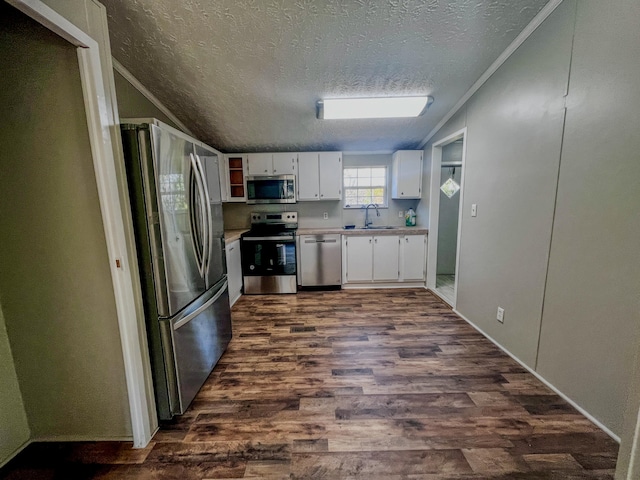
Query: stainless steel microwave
column 271, row 189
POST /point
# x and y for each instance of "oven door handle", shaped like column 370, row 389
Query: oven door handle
column 274, row 238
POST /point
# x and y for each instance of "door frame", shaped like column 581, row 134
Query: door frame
column 434, row 215
column 100, row 124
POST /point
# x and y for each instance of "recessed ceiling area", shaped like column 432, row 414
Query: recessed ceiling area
column 245, row 75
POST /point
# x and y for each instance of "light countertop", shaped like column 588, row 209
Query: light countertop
column 362, row 231
column 233, row 235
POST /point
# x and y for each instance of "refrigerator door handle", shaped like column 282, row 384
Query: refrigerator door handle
column 204, row 240
column 201, row 308
column 209, row 227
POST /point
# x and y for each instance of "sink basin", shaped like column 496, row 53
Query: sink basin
column 379, row 227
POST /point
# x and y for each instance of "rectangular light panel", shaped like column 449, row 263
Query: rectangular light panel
column 381, row 107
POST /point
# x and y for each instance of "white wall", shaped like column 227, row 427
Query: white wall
column 592, row 302
column 55, row 284
column 566, row 269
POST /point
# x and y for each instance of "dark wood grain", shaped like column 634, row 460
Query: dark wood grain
column 375, row 384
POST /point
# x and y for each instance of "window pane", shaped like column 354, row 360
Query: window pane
column 364, row 182
column 358, row 183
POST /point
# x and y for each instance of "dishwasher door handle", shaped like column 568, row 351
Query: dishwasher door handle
column 320, row 241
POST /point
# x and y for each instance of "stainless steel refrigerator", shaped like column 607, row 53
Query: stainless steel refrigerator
column 174, row 189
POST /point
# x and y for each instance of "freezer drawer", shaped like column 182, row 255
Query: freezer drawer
column 199, row 337
column 320, row 261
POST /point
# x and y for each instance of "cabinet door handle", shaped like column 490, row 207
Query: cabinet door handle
column 322, row 195
column 376, row 240
column 316, row 194
column 231, row 248
column 369, row 240
column 406, row 239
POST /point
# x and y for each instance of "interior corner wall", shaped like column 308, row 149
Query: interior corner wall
column 13, row 418
column 55, row 283
column 520, row 154
column 591, row 314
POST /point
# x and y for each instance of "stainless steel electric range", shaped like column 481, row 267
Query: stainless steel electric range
column 269, row 253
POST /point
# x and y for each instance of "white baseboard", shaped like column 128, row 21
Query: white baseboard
column 354, row 286
column 81, row 438
column 233, row 300
column 590, row 417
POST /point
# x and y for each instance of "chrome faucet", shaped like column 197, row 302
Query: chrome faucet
column 367, row 222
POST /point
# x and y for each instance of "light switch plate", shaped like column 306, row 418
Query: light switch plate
column 325, row 215
column 500, row 315
column 400, row 214
column 474, row 209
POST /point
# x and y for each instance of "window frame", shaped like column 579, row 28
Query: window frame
column 385, row 194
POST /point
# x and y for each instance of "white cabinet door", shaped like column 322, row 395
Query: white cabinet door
column 330, row 175
column 284, row 163
column 413, row 254
column 234, row 270
column 407, row 174
column 386, row 251
column 308, row 176
column 359, row 258
column 259, row 163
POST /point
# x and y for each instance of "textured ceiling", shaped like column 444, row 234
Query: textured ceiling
column 244, row 75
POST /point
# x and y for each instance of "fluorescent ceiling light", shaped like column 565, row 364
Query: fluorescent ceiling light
column 381, row 107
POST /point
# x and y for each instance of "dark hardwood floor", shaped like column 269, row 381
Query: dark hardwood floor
column 375, row 384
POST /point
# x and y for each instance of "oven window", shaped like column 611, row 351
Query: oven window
column 268, row 257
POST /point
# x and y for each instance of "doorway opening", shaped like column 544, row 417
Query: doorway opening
column 447, row 179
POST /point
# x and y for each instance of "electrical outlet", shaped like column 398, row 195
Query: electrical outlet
column 474, row 209
column 325, row 215
column 400, row 214
column 500, row 315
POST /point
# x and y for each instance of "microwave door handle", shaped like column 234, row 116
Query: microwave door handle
column 208, row 246
column 200, row 251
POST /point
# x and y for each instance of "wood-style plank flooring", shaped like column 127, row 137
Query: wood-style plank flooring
column 375, row 384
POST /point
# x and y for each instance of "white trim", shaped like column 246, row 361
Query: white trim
column 135, row 83
column 103, row 160
column 371, row 152
column 519, row 40
column 356, row 285
column 434, row 207
column 590, row 417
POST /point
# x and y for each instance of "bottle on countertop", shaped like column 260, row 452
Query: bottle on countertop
column 410, row 218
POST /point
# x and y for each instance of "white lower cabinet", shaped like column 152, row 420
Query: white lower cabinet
column 359, row 258
column 234, row 270
column 383, row 258
column 413, row 265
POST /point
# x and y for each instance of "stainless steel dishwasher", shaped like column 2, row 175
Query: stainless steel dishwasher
column 319, row 260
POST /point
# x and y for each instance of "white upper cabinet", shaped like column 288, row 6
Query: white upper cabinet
column 285, row 164
column 308, row 176
column 406, row 181
column 330, row 175
column 272, row 163
column 259, row 163
column 319, row 176
column 235, row 169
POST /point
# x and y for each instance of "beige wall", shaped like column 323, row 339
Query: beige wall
column 132, row 104
column 583, row 295
column 14, row 430
column 55, row 284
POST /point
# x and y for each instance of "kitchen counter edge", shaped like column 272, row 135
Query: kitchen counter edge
column 363, row 231
column 233, row 235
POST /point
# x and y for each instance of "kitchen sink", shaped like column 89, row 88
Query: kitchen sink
column 379, row 227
